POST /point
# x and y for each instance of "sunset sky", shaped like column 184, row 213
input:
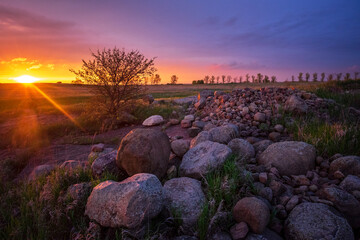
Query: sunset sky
column 190, row 38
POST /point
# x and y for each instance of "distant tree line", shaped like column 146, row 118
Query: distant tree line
column 223, row 79
column 260, row 78
column 323, row 77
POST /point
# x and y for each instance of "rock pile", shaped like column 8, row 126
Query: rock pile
column 294, row 193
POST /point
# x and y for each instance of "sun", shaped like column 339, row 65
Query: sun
column 26, row 79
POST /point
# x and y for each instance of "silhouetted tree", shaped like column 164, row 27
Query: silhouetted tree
column 338, row 76
column 347, row 77
column 206, row 79
column 273, row 79
column 194, row 82
column 200, row 82
column 253, row 78
column 322, row 77
column 223, row 78
column 228, row 79
column 235, row 79
column 307, row 77
column 117, row 75
column 330, row 77
column 217, row 79
column 293, row 78
column 315, row 77
column 266, row 79
column 174, row 79
column 212, row 79
column 259, row 77
column 247, row 77
column 356, row 75
column 300, row 77
column 77, row 81
column 240, row 79
column 156, row 79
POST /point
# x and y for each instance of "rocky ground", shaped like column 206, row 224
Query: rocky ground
column 287, row 190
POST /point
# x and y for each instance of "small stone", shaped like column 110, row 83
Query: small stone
column 260, row 117
column 239, row 231
column 294, row 200
column 263, row 177
column 279, row 128
column 274, row 136
column 98, row 147
column 174, row 121
column 185, row 123
column 189, row 117
column 313, row 188
column 338, row 175
column 153, row 121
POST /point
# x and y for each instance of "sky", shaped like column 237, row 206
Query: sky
column 189, row 38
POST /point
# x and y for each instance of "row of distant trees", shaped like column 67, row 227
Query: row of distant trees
column 259, row 78
column 330, row 77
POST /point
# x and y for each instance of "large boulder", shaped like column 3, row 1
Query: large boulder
column 262, row 145
column 144, row 150
column 203, row 158
column 349, row 165
column 126, row 204
column 225, row 133
column 346, row 203
column 290, row 157
column 185, row 197
column 254, row 212
column 296, row 105
column 315, row 221
column 242, row 148
column 153, row 120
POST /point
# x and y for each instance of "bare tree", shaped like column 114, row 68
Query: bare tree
column 266, row 79
column 338, row 76
column 235, row 79
column 322, row 77
column 300, row 77
column 247, row 76
column 347, row 77
column 206, row 79
column 156, row 79
column 174, row 79
column 307, row 77
column 223, row 78
column 293, row 78
column 217, row 79
column 273, row 79
column 228, row 79
column 212, row 79
column 330, row 77
column 259, row 77
column 117, row 75
column 315, row 77
column 253, row 78
column 356, row 75
column 240, row 79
